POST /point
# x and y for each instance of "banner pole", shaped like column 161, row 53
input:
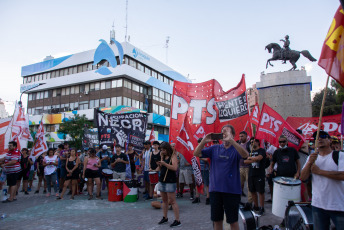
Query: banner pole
column 321, row 113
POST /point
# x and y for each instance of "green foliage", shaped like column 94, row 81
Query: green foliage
column 333, row 102
column 74, row 127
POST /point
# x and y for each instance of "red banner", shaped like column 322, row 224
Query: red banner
column 308, row 125
column 332, row 54
column 272, row 125
column 152, row 136
column 255, row 115
column 201, row 108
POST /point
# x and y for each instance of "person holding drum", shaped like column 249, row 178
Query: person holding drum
column 104, row 155
column 154, row 157
column 225, row 191
column 91, row 172
column 132, row 154
column 168, row 166
column 118, row 163
column 327, row 169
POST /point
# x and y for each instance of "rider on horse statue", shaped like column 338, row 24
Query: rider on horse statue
column 285, row 51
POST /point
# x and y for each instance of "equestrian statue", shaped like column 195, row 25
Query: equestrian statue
column 286, row 54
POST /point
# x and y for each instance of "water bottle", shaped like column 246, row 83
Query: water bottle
column 4, row 194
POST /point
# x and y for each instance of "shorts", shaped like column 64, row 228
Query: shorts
column 89, row 173
column 224, row 203
column 11, row 179
column 41, row 171
column 185, row 176
column 256, row 184
column 74, row 176
column 146, row 176
column 119, row 175
column 167, row 187
column 23, row 174
column 205, row 177
column 63, row 172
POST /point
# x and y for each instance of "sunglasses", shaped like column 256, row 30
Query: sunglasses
column 281, row 142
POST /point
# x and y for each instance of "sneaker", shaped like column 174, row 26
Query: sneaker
column 255, row 208
column 175, row 224
column 207, row 201
column 196, row 200
column 36, row 192
column 26, row 193
column 149, row 198
column 261, row 211
column 191, row 196
column 177, row 195
column 163, row 220
column 59, row 198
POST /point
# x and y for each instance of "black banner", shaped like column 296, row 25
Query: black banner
column 232, row 108
column 90, row 139
column 124, row 128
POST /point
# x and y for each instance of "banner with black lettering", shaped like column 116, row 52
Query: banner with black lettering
column 90, row 139
column 124, row 128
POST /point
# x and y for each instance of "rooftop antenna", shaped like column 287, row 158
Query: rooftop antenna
column 166, row 46
column 126, row 21
column 112, row 33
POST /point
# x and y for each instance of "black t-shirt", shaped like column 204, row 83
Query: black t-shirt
column 25, row 163
column 258, row 168
column 286, row 161
column 154, row 159
column 120, row 166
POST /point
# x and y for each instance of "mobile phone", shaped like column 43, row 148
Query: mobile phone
column 216, row 136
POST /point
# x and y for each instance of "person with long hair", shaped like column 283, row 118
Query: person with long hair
column 40, row 173
column 167, row 182
column 132, row 154
column 25, row 163
column 91, row 172
column 72, row 167
column 50, row 163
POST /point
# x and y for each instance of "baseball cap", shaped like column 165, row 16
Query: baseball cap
column 146, row 143
column 104, row 147
column 322, row 134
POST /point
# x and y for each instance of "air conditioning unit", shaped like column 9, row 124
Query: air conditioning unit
column 86, row 92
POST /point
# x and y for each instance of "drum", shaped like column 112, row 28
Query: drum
column 153, row 177
column 115, row 190
column 130, row 191
column 299, row 216
column 249, row 218
column 285, row 189
column 107, row 173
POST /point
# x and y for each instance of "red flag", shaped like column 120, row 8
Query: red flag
column 272, row 125
column 201, row 108
column 4, row 126
column 152, row 136
column 41, row 143
column 255, row 115
column 332, row 54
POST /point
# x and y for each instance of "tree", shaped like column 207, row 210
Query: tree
column 74, row 127
column 333, row 102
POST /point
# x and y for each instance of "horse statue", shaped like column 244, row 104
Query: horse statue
column 291, row 55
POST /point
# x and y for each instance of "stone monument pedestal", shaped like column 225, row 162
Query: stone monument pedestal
column 288, row 93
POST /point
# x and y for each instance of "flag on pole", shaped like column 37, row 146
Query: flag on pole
column 40, row 145
column 152, row 136
column 332, row 54
column 255, row 115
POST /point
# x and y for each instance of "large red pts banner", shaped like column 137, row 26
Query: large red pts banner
column 308, row 125
column 201, row 108
column 272, row 126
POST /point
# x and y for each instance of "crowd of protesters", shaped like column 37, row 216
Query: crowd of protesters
column 168, row 175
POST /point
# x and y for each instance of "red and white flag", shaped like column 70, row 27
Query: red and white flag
column 40, row 145
column 255, row 115
column 152, row 136
column 272, row 126
column 4, row 126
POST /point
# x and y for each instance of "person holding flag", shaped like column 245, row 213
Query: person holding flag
column 225, row 191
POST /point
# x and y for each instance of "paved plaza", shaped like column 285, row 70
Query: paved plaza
column 36, row 211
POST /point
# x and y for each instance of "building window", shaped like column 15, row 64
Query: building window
column 46, row 94
column 102, row 85
column 102, row 102
column 96, row 86
column 107, row 102
column 154, row 74
column 132, row 63
column 30, row 97
column 58, row 92
column 107, row 84
column 127, row 84
column 140, row 67
column 160, row 77
column 72, row 90
column 67, row 90
column 136, row 87
column 91, row 104
column 83, row 105
column 91, row 87
column 147, row 70
column 63, row 91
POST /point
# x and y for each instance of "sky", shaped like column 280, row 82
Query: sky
column 218, row 39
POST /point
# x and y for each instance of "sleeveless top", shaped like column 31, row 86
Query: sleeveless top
column 91, row 162
column 154, row 159
column 24, row 163
column 171, row 175
column 71, row 165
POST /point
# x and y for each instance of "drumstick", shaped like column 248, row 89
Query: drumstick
column 167, row 169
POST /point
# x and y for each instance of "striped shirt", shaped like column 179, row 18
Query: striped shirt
column 10, row 156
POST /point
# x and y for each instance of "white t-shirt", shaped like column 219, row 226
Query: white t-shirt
column 327, row 193
column 49, row 169
column 146, row 158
